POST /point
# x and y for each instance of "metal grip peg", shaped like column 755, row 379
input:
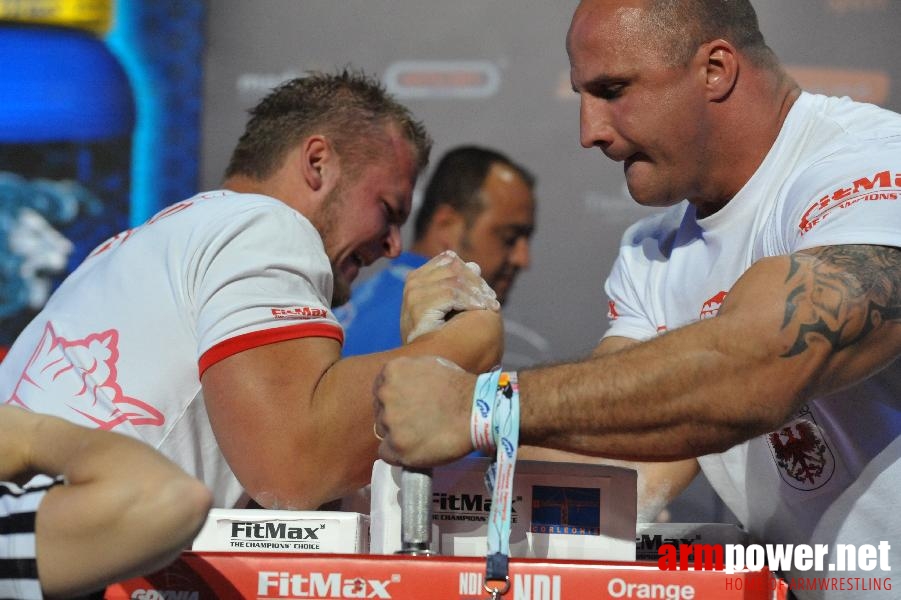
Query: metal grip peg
column 416, row 511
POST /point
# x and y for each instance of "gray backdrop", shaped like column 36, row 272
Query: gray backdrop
column 495, row 72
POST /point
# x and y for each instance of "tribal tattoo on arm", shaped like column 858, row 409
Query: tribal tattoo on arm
column 841, row 294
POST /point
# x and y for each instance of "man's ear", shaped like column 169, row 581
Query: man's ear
column 721, row 68
column 448, row 227
column 318, row 163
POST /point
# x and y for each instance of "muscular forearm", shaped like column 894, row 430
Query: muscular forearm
column 778, row 340
column 675, row 397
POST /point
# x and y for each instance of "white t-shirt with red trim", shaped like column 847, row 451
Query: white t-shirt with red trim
column 833, row 473
column 122, row 343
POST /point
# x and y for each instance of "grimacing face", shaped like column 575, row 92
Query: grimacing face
column 360, row 220
column 635, row 106
column 498, row 238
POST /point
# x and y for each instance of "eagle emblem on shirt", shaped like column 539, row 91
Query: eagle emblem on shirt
column 802, row 455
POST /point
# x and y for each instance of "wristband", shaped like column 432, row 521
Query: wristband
column 484, row 397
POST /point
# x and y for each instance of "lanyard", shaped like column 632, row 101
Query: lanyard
column 495, row 428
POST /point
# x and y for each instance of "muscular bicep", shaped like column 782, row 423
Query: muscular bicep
column 259, row 405
column 835, row 308
column 283, row 410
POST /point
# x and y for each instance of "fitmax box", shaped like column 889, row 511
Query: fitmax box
column 560, row 510
column 261, row 530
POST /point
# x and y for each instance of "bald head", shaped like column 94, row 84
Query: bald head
column 676, row 28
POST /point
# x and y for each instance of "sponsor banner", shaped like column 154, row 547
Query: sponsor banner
column 259, row 530
column 199, row 576
column 424, row 79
